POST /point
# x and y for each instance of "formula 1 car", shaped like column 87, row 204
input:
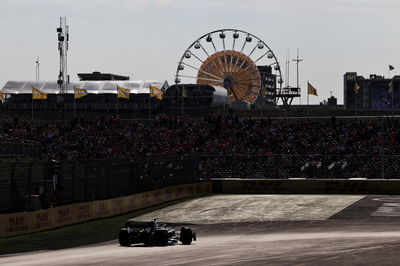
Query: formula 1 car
column 152, row 233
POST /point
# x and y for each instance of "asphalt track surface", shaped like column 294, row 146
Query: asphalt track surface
column 258, row 230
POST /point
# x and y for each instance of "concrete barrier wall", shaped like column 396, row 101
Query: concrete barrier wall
column 306, row 186
column 29, row 222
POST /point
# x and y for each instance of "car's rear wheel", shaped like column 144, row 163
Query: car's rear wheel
column 123, row 238
column 186, row 236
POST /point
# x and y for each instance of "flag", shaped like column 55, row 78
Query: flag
column 390, row 89
column 311, row 89
column 357, row 88
column 391, row 67
column 38, row 94
column 79, row 93
column 156, row 92
column 2, row 96
column 123, row 93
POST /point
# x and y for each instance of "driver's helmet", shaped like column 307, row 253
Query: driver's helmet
column 153, row 224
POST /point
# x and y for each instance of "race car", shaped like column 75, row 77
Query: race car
column 153, row 233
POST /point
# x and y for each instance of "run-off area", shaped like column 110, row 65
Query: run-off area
column 252, row 208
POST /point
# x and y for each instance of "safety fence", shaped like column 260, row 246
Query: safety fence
column 41, row 185
column 28, row 222
column 301, row 166
column 28, row 186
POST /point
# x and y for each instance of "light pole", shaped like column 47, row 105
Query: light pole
column 298, row 60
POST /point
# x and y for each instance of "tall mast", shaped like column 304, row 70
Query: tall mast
column 37, row 69
column 63, row 39
column 298, row 60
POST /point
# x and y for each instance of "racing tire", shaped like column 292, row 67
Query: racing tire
column 186, row 236
column 123, row 238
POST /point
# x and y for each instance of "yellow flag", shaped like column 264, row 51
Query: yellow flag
column 311, row 89
column 123, row 93
column 38, row 94
column 357, row 88
column 156, row 92
column 79, row 93
column 2, row 96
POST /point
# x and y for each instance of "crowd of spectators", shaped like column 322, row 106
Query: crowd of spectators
column 111, row 138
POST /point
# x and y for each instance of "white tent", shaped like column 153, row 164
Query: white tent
column 93, row 87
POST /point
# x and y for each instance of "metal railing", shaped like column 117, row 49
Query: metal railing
column 301, row 166
column 35, row 185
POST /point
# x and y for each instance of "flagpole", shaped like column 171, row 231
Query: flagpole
column 391, row 84
column 308, row 99
column 32, row 107
column 392, row 100
column 355, row 100
column 150, row 108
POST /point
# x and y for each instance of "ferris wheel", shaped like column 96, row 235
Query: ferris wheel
column 229, row 58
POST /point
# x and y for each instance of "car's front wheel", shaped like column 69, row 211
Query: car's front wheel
column 186, row 236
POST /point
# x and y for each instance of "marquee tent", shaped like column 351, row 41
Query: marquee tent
column 93, row 87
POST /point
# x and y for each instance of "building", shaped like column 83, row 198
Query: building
column 100, row 76
column 268, row 85
column 195, row 96
column 332, row 101
column 374, row 93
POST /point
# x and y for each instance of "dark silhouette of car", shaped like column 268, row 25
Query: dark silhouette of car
column 154, row 234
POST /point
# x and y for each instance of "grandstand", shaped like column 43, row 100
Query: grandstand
column 192, row 150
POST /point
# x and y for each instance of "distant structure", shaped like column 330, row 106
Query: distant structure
column 298, row 60
column 37, row 69
column 63, row 39
column 332, row 101
column 375, row 93
column 100, row 76
column 268, row 85
column 238, row 61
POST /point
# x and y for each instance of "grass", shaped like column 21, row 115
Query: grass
column 87, row 233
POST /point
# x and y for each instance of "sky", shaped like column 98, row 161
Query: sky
column 144, row 39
